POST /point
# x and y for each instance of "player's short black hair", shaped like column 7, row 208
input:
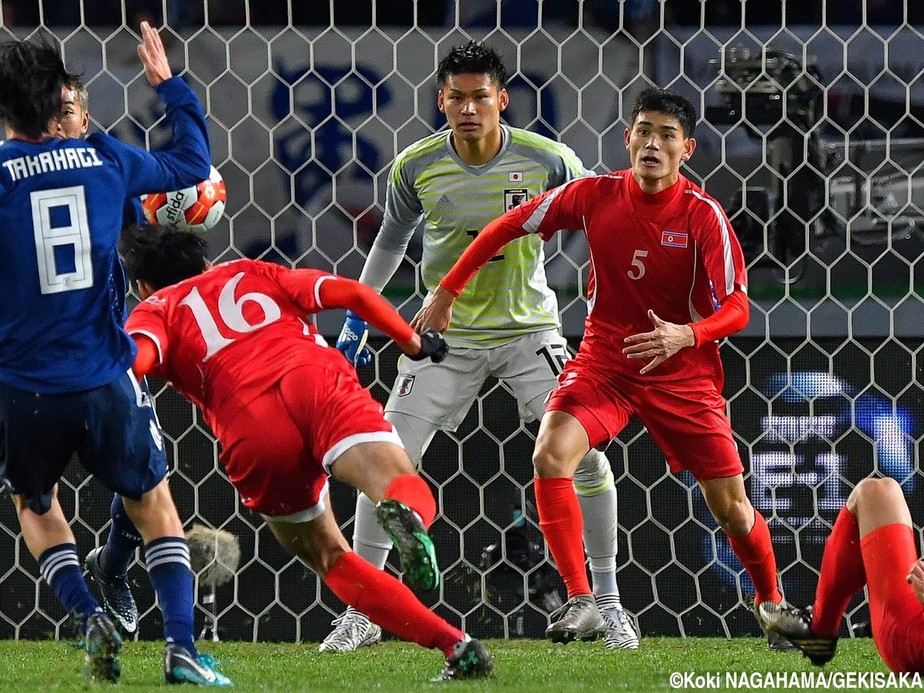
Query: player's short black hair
column 161, row 255
column 31, row 77
column 474, row 58
column 668, row 102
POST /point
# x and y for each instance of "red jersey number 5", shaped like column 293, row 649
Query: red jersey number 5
column 637, row 271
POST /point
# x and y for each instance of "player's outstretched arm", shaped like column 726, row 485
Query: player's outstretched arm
column 153, row 56
column 436, row 311
column 365, row 303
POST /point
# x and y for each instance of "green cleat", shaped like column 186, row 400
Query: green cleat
column 418, row 556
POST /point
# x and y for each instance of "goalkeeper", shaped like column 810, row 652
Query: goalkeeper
column 507, row 323
column 288, row 411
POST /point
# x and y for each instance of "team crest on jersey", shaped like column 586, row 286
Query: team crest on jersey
column 674, row 239
column 405, row 385
column 514, row 198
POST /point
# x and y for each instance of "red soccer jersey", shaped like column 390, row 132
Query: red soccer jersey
column 673, row 252
column 228, row 334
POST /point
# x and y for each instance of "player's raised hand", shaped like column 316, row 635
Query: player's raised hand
column 435, row 313
column 352, row 340
column 432, row 346
column 657, row 346
column 153, row 56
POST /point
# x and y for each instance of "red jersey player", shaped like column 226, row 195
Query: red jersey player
column 288, row 410
column 873, row 544
column 667, row 280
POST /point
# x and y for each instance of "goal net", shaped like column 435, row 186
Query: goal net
column 811, row 135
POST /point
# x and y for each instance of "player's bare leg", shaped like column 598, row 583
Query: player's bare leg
column 749, row 537
column 560, row 446
column 166, row 554
column 321, row 545
column 50, row 540
column 404, row 504
column 596, row 494
column 353, row 629
column 873, row 504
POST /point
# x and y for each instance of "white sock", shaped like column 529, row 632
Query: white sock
column 369, row 539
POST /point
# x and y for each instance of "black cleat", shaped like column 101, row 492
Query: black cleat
column 415, row 547
column 102, row 645
column 470, row 660
column 115, row 591
column 796, row 626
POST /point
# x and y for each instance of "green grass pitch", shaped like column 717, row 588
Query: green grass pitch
column 519, row 665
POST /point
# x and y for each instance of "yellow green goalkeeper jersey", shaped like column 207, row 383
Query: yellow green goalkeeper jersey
column 430, row 184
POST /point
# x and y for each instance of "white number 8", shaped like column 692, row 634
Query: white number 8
column 49, row 239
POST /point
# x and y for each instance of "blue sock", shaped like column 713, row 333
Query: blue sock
column 60, row 568
column 167, row 559
column 123, row 540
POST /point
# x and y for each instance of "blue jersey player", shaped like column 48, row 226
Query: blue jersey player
column 108, row 565
column 66, row 384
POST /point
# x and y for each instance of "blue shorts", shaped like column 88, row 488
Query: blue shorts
column 112, row 429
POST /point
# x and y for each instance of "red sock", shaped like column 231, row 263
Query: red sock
column 842, row 575
column 413, row 491
column 755, row 552
column 389, row 603
column 562, row 525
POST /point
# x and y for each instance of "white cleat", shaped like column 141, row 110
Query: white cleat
column 352, row 630
column 620, row 633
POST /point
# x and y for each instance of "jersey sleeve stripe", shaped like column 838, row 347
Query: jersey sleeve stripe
column 532, row 223
column 727, row 259
column 317, row 289
column 153, row 338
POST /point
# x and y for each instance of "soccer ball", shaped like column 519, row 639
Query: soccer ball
column 197, row 208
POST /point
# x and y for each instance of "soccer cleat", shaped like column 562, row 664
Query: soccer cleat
column 796, row 626
column 102, row 645
column 775, row 641
column 620, row 633
column 352, row 630
column 181, row 667
column 415, row 547
column 576, row 619
column 470, row 660
column 115, row 591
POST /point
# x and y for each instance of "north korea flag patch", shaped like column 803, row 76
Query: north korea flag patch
column 674, row 239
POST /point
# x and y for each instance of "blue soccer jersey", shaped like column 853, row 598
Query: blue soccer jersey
column 61, row 211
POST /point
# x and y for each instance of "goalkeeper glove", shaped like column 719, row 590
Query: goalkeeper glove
column 352, row 340
column 432, row 345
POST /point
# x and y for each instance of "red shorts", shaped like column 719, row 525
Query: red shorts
column 687, row 420
column 278, row 450
column 896, row 615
